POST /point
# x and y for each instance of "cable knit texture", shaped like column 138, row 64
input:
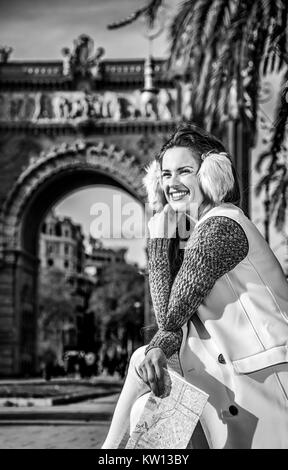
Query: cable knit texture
column 215, row 247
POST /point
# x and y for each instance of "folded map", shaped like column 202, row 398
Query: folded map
column 167, row 422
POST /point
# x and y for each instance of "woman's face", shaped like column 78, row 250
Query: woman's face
column 179, row 180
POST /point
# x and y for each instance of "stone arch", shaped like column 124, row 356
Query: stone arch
column 45, row 181
column 80, row 157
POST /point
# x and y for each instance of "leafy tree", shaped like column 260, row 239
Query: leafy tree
column 56, row 310
column 117, row 303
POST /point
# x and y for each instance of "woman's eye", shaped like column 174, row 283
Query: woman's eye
column 165, row 175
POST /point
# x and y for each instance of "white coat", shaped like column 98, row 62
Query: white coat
column 235, row 348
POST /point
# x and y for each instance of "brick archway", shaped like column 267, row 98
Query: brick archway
column 46, row 180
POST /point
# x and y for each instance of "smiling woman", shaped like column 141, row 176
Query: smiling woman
column 222, row 313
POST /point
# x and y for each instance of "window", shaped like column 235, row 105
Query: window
column 50, row 262
column 58, row 231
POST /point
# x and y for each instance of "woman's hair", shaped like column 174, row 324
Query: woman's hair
column 218, row 179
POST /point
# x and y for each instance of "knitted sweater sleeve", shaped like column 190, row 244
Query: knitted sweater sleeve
column 161, row 281
column 215, row 247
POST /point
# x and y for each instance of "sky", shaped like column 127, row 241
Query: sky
column 47, row 26
column 82, row 207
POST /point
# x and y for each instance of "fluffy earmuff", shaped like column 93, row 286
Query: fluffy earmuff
column 151, row 182
column 215, row 176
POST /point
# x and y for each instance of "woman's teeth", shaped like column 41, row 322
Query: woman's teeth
column 177, row 196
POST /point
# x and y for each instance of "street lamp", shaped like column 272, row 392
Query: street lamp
column 137, row 305
column 149, row 92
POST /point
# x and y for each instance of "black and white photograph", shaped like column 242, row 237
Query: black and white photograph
column 144, row 227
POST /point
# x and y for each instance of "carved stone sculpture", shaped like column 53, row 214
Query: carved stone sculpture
column 82, row 61
column 5, row 53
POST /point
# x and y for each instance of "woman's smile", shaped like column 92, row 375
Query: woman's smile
column 178, row 195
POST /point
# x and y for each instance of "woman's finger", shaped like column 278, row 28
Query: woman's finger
column 152, row 379
column 143, row 373
column 160, row 376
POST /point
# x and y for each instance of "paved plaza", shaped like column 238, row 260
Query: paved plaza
column 59, row 436
column 77, row 426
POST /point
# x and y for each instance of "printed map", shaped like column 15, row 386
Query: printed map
column 168, row 422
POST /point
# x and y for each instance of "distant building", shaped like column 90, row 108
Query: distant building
column 100, row 257
column 62, row 244
column 62, row 247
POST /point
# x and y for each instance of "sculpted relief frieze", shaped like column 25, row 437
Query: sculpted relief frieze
column 60, row 107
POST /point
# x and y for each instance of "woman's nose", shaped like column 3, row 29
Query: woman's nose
column 174, row 178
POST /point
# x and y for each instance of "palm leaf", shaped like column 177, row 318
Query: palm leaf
column 255, row 79
column 149, row 12
column 268, row 20
column 281, row 119
column 264, row 181
column 261, row 159
column 277, row 193
column 152, row 11
column 275, row 55
column 177, row 29
column 218, row 20
column 282, row 211
column 201, row 10
column 228, row 53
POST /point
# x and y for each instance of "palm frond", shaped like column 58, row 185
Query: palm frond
column 282, row 211
column 201, row 10
column 277, row 194
column 275, row 56
column 152, row 11
column 220, row 73
column 281, row 119
column 255, row 57
column 128, row 20
column 261, row 159
column 149, row 12
column 218, row 18
column 201, row 89
column 265, row 181
column 178, row 31
column 262, row 183
column 228, row 53
column 281, row 39
column 268, row 21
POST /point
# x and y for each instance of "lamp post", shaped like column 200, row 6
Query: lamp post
column 137, row 306
column 149, row 92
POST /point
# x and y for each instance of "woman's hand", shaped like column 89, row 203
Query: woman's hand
column 163, row 224
column 152, row 370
